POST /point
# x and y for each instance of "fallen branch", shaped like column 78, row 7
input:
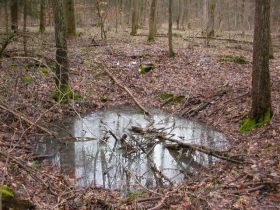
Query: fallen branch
column 153, row 165
column 156, row 35
column 191, row 112
column 15, row 146
column 206, row 150
column 127, row 90
column 6, row 42
column 25, row 119
column 29, row 171
column 219, row 39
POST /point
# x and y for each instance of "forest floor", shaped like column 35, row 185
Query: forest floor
column 196, row 72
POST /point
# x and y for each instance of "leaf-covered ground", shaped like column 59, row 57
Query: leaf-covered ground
column 197, row 73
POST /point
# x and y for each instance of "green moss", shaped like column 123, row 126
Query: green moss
column 145, row 68
column 44, row 70
column 249, row 124
column 165, row 96
column 103, row 98
column 65, row 94
column 28, row 79
column 35, row 164
column 6, row 192
column 232, row 58
column 135, row 194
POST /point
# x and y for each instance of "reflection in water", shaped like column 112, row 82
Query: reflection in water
column 101, row 160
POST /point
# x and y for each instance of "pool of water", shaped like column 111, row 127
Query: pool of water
column 100, row 156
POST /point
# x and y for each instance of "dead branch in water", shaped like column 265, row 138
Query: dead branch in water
column 153, row 165
column 206, row 150
column 126, row 89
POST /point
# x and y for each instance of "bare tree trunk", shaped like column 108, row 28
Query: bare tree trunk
column 170, row 44
column 69, row 11
column 185, row 13
column 24, row 26
column 152, row 21
column 261, row 87
column 6, row 14
column 101, row 20
column 134, row 20
column 62, row 66
column 178, row 19
column 209, row 19
column 271, row 52
column 117, row 16
column 242, row 17
column 42, row 16
column 14, row 15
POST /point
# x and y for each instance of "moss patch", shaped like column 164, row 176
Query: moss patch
column 232, row 58
column 44, row 70
column 134, row 195
column 165, row 96
column 104, row 98
column 6, row 192
column 249, row 124
column 65, row 94
column 145, row 68
column 28, row 79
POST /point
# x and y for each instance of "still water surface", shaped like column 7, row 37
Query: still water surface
column 98, row 159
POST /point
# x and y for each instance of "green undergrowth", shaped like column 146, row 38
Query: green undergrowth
column 170, row 97
column 11, row 201
column 145, row 68
column 65, row 94
column 134, row 195
column 28, row 79
column 249, row 123
column 239, row 59
column 6, row 192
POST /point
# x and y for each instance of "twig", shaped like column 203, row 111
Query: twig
column 25, row 119
column 127, row 90
column 191, row 112
column 161, row 204
column 30, row 171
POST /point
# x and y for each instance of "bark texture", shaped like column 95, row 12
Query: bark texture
column 42, row 16
column 261, row 87
column 170, row 43
column 14, row 15
column 152, row 21
column 209, row 17
column 62, row 66
column 134, row 23
column 70, row 21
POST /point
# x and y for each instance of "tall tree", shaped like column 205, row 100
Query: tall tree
column 25, row 4
column 261, row 110
column 70, row 21
column 152, row 21
column 14, row 15
column 170, row 19
column 42, row 16
column 6, row 14
column 134, row 23
column 62, row 63
column 209, row 17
